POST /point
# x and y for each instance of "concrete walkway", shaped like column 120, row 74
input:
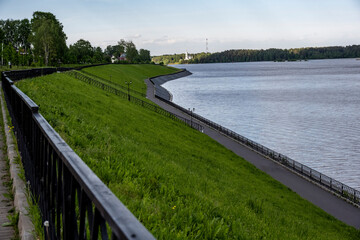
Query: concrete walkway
column 330, row 203
column 6, row 204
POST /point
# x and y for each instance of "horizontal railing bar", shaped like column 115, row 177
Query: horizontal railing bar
column 115, row 84
column 110, row 207
column 28, row 101
column 45, row 144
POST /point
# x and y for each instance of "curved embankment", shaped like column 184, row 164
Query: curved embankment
column 160, row 80
column 308, row 190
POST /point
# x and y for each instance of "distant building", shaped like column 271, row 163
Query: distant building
column 122, row 57
column 187, row 56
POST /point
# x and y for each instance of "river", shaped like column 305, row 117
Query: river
column 308, row 110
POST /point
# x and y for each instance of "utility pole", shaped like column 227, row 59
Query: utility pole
column 207, row 46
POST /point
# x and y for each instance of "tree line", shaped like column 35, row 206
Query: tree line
column 170, row 58
column 42, row 41
column 280, row 54
column 272, row 54
column 177, row 58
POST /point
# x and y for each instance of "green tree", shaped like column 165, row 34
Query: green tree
column 109, row 51
column 2, row 45
column 120, row 47
column 129, row 48
column 48, row 37
column 2, row 34
column 82, row 50
column 98, row 55
column 9, row 28
column 9, row 54
column 16, row 33
column 115, row 50
column 132, row 54
column 70, row 56
column 144, row 55
column 23, row 33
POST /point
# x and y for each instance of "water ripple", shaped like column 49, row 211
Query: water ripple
column 308, row 111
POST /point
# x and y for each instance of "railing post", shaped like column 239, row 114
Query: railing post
column 354, row 195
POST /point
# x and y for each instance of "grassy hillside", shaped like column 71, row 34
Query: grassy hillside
column 136, row 73
column 178, row 182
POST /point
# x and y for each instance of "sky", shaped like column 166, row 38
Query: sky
column 169, row 26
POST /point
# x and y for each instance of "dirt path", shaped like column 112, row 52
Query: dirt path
column 6, row 204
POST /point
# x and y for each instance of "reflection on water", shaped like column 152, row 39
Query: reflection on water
column 309, row 111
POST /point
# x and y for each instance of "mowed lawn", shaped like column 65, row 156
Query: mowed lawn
column 134, row 73
column 177, row 181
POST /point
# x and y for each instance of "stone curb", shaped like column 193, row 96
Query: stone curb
column 25, row 225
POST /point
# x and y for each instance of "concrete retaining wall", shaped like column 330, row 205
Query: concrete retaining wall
column 160, row 80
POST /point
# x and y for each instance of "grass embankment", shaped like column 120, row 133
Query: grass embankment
column 178, row 182
column 135, row 73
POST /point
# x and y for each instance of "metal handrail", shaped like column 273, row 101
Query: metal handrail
column 115, row 84
column 74, row 201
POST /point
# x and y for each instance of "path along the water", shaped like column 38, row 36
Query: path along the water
column 330, row 203
column 6, row 204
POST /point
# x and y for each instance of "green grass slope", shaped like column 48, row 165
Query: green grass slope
column 136, row 73
column 178, row 182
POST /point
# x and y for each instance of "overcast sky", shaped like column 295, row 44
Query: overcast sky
column 168, row 26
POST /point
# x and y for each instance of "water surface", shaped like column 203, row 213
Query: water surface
column 309, row 111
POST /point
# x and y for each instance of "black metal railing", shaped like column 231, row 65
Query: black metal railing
column 74, row 202
column 341, row 189
column 36, row 72
column 115, row 84
column 135, row 100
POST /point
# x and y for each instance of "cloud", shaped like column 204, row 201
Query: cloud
column 136, row 36
column 162, row 40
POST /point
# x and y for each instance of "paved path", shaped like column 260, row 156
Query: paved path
column 5, row 204
column 330, row 203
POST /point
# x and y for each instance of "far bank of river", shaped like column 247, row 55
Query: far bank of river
column 305, row 110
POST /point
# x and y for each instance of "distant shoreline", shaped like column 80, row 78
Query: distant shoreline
column 272, row 54
column 285, row 61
